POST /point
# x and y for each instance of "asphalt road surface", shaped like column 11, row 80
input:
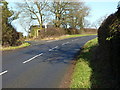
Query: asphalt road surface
column 40, row 66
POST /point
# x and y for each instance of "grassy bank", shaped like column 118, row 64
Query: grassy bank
column 14, row 47
column 77, row 35
column 82, row 72
column 67, row 36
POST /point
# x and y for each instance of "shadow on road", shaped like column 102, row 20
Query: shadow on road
column 62, row 55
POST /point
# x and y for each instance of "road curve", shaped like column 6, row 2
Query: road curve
column 40, row 66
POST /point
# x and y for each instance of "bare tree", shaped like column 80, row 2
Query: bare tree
column 35, row 10
column 87, row 24
column 69, row 13
column 58, row 10
column 76, row 13
column 98, row 22
column 26, row 24
column 65, row 13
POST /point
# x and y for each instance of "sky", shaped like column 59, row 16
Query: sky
column 99, row 8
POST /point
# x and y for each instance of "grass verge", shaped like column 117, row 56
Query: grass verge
column 67, row 36
column 82, row 72
column 14, row 47
column 77, row 35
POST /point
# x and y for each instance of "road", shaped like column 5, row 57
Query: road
column 40, row 66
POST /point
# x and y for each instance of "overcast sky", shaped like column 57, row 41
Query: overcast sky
column 99, row 8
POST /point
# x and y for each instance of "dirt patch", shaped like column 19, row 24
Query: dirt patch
column 67, row 77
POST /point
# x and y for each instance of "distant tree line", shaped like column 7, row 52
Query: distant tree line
column 61, row 14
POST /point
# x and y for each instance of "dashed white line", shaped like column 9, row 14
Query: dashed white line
column 49, row 41
column 56, row 47
column 52, row 40
column 53, row 48
column 76, row 39
column 65, row 43
column 3, row 72
column 32, row 58
column 50, row 49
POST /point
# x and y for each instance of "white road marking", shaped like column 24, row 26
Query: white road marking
column 50, row 49
column 76, row 39
column 53, row 48
column 32, row 58
column 65, row 43
column 52, row 40
column 49, row 41
column 3, row 72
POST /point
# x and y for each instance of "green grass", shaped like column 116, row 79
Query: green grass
column 62, row 37
column 15, row 47
column 77, row 35
column 82, row 72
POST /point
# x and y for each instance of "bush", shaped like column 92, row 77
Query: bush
column 72, row 31
column 109, row 42
column 51, row 32
column 88, row 31
column 9, row 37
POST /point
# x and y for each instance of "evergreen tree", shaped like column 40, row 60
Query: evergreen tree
column 9, row 34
